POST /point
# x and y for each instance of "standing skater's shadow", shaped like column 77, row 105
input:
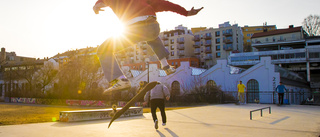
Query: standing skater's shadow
column 161, row 135
column 171, row 132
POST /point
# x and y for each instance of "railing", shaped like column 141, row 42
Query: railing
column 260, row 111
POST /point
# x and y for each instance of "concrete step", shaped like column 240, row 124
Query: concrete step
column 96, row 114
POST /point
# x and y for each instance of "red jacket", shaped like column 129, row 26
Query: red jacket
column 129, row 9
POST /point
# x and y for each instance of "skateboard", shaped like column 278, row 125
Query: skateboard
column 140, row 94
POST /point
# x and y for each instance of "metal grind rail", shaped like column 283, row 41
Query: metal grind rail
column 260, row 111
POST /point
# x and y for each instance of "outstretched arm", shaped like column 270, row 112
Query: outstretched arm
column 194, row 11
column 164, row 5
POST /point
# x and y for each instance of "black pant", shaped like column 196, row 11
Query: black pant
column 158, row 103
column 280, row 97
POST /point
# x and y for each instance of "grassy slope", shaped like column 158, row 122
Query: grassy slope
column 13, row 114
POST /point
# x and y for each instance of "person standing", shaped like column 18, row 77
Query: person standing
column 139, row 17
column 280, row 89
column 241, row 91
column 157, row 97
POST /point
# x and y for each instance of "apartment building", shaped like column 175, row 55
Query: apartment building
column 289, row 48
column 63, row 58
column 217, row 43
column 248, row 31
column 11, row 64
column 179, row 43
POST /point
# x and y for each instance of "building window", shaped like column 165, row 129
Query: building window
column 248, row 40
column 217, row 33
column 208, row 42
column 172, row 53
column 171, row 41
column 314, row 55
column 217, row 40
column 248, row 35
column 218, row 47
column 218, row 55
column 172, row 47
column 281, row 38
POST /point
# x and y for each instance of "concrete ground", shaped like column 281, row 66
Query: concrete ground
column 214, row 120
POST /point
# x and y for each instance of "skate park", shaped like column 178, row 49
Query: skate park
column 209, row 120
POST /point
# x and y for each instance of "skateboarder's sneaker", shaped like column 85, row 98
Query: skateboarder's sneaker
column 169, row 69
column 163, row 124
column 156, row 124
column 118, row 85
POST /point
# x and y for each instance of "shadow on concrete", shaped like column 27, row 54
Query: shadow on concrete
column 171, row 132
column 68, row 124
column 161, row 134
column 198, row 121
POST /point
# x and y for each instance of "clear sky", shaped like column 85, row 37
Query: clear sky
column 43, row 28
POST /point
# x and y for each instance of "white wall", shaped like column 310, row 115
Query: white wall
column 263, row 72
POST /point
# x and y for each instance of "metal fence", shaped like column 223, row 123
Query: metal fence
column 269, row 97
column 291, row 97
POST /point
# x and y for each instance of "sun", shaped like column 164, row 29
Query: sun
column 117, row 29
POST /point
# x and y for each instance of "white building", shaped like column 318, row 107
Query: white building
column 260, row 79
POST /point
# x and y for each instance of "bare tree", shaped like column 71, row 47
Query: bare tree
column 44, row 76
column 78, row 78
column 311, row 25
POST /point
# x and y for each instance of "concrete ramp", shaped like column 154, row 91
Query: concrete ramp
column 96, row 114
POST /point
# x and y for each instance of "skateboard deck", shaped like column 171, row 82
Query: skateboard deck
column 140, row 94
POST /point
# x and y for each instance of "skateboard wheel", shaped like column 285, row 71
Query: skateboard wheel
column 114, row 107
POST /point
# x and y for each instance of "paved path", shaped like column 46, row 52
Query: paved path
column 206, row 121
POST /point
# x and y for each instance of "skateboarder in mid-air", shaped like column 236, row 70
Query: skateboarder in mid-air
column 139, row 16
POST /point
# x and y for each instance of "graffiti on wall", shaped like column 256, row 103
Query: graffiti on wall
column 91, row 103
column 88, row 103
column 24, row 100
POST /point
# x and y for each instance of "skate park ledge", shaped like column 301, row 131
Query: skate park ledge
column 96, row 114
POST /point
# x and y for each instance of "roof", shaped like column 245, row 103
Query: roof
column 277, row 32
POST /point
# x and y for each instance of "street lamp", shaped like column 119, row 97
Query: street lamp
column 147, row 65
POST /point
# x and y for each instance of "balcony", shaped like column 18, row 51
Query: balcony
column 208, row 51
column 197, row 52
column 165, row 38
column 207, row 37
column 144, row 46
column 227, row 33
column 208, row 58
column 284, row 41
column 207, row 44
column 196, row 39
column 227, row 41
column 181, row 47
column 228, row 47
column 166, row 43
column 277, row 57
column 130, row 54
column 180, row 53
column 144, row 52
column 196, row 46
column 180, row 41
